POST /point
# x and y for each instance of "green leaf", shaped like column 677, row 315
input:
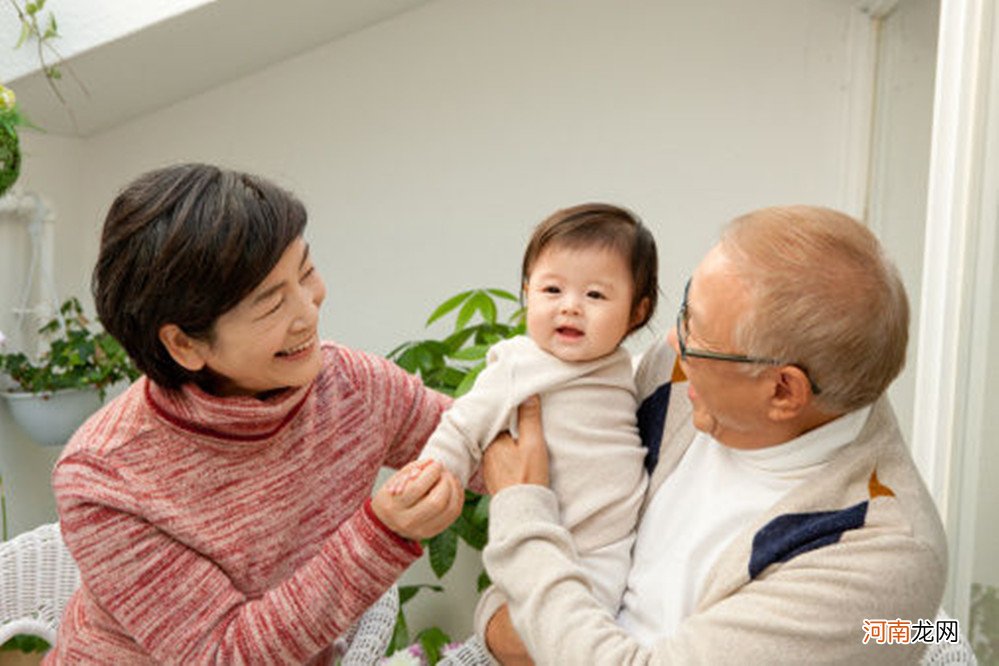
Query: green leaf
column 480, row 515
column 433, row 640
column 504, row 294
column 469, row 533
column 483, row 582
column 448, row 305
column 25, row 33
column 518, row 316
column 444, row 379
column 473, row 353
column 487, row 306
column 407, row 592
column 51, row 30
column 400, row 635
column 469, row 380
column 454, row 341
column 466, row 313
column 443, row 549
column 31, row 8
column 408, row 360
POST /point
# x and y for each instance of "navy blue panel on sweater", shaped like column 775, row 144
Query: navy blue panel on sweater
column 651, row 420
column 792, row 534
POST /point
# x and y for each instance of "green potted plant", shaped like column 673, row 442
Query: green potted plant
column 450, row 365
column 50, row 396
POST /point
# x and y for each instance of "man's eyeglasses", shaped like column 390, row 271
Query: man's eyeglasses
column 683, row 333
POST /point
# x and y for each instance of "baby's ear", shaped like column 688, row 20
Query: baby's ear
column 640, row 313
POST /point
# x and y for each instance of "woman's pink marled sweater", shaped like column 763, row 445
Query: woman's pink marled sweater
column 234, row 530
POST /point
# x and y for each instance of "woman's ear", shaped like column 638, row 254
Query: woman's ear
column 184, row 349
column 640, row 313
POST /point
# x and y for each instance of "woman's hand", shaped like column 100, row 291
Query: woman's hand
column 504, row 641
column 420, row 500
column 508, row 461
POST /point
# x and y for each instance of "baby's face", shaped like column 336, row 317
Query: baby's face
column 579, row 302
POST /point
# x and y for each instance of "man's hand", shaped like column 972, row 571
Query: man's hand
column 420, row 500
column 508, row 462
column 504, row 641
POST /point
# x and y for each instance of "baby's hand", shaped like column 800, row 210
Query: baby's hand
column 420, row 500
column 398, row 482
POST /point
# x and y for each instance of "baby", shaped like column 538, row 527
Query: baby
column 589, row 276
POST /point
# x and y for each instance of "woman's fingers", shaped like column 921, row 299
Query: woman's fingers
column 430, row 500
column 417, row 480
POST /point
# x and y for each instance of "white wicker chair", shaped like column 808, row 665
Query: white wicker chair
column 38, row 576
column 367, row 640
column 949, row 654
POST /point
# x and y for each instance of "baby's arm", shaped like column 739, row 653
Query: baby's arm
column 473, row 420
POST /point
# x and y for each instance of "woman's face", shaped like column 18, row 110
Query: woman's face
column 270, row 339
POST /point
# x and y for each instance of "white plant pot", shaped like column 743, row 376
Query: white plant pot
column 51, row 418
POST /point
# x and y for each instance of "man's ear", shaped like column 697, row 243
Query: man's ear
column 641, row 312
column 184, row 349
column 792, row 393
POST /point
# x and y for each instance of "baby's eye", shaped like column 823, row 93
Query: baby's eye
column 551, row 289
column 598, row 295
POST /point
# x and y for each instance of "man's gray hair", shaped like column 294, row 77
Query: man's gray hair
column 824, row 296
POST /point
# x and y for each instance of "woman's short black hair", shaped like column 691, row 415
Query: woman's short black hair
column 183, row 245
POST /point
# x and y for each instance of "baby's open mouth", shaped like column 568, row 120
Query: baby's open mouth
column 569, row 332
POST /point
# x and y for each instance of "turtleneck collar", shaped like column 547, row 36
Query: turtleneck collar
column 237, row 418
column 809, row 450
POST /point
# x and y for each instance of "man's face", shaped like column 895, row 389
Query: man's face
column 729, row 404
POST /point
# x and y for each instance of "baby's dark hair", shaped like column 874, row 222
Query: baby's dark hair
column 607, row 226
column 183, row 245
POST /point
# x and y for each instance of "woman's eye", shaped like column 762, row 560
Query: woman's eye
column 309, row 273
column 277, row 306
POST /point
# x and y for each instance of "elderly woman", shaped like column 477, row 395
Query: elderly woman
column 220, row 508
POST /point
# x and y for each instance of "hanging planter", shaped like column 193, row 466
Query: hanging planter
column 10, row 148
column 50, row 418
column 53, row 395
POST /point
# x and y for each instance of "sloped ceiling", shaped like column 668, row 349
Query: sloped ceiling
column 189, row 53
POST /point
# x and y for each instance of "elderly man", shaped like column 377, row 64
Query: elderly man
column 785, row 517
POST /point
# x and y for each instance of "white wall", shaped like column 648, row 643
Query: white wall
column 427, row 146
column 901, row 160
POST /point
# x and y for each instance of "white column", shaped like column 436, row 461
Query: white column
column 959, row 227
